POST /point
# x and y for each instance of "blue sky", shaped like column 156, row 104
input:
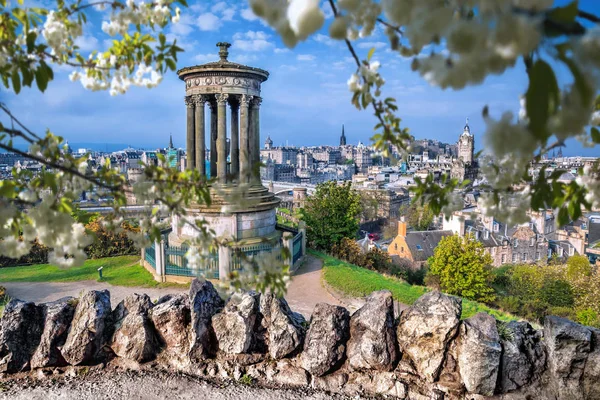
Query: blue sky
column 305, row 100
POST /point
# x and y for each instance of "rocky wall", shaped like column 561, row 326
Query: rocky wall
column 426, row 353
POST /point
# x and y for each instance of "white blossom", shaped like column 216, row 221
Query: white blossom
column 305, row 16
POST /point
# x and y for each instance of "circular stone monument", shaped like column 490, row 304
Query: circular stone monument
column 223, row 85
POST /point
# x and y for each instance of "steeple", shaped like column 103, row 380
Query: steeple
column 171, row 141
column 343, row 137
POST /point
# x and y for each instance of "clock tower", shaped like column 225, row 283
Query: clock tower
column 466, row 145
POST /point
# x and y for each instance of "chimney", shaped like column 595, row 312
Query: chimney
column 402, row 227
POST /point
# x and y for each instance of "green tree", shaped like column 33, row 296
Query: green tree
column 419, row 216
column 578, row 267
column 331, row 214
column 463, row 268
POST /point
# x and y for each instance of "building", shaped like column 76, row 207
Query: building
column 416, row 246
column 465, row 167
column 172, row 154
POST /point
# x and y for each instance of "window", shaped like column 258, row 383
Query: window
column 516, row 242
column 537, row 255
column 402, row 249
column 503, row 259
column 532, row 243
column 419, row 247
column 524, row 257
column 395, row 246
column 496, row 227
column 515, row 257
column 486, row 234
column 571, row 250
column 560, row 251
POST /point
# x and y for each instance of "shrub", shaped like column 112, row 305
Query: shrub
column 37, row 255
column 588, row 317
column 110, row 244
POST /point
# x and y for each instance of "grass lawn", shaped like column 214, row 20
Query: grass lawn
column 358, row 282
column 118, row 271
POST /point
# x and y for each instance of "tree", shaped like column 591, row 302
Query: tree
column 331, row 214
column 463, row 268
column 578, row 267
column 418, row 216
column 472, row 40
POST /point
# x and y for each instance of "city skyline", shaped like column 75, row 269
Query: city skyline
column 307, row 99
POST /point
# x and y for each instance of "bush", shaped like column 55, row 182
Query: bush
column 588, row 317
column 37, row 255
column 557, row 293
column 106, row 244
column 432, row 281
column 110, row 244
column 565, row 312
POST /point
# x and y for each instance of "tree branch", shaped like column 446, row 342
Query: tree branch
column 588, row 16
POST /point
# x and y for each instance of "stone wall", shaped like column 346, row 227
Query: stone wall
column 426, row 353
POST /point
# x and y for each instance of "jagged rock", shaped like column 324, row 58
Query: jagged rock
column 523, row 356
column 591, row 373
column 171, row 319
column 205, row 302
column 20, row 332
column 333, row 382
column 284, row 328
column 58, row 316
column 284, row 373
column 90, row 324
column 234, row 326
column 426, row 328
column 325, row 342
column 376, row 384
column 568, row 345
column 479, row 353
column 450, row 373
column 372, row 343
column 134, row 336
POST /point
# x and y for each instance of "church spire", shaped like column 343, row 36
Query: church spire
column 343, row 137
column 170, row 140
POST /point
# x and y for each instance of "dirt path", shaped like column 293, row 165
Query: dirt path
column 41, row 292
column 306, row 288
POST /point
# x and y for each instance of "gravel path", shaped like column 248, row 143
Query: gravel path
column 41, row 292
column 147, row 386
column 304, row 292
column 306, row 288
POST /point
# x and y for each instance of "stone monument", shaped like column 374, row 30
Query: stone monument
column 219, row 86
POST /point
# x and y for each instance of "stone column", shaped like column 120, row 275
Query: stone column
column 200, row 139
column 244, row 138
column 224, row 262
column 213, row 139
column 190, row 146
column 235, row 151
column 222, row 137
column 255, row 139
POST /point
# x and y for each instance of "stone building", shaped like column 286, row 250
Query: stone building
column 465, row 167
column 222, row 86
column 279, row 155
column 382, row 203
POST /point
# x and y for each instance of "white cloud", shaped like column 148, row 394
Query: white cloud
column 305, row 57
column 244, row 58
column 369, row 45
column 208, row 22
column 87, row 43
column 281, row 50
column 184, row 27
column 319, row 37
column 206, row 58
column 219, row 7
column 228, row 14
column 252, row 41
column 248, row 15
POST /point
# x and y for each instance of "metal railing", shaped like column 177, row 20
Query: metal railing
column 176, row 264
column 150, row 255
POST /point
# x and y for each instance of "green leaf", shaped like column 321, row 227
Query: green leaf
column 565, row 14
column 371, row 52
column 16, row 81
column 595, row 135
column 542, row 98
column 171, row 64
column 41, row 78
